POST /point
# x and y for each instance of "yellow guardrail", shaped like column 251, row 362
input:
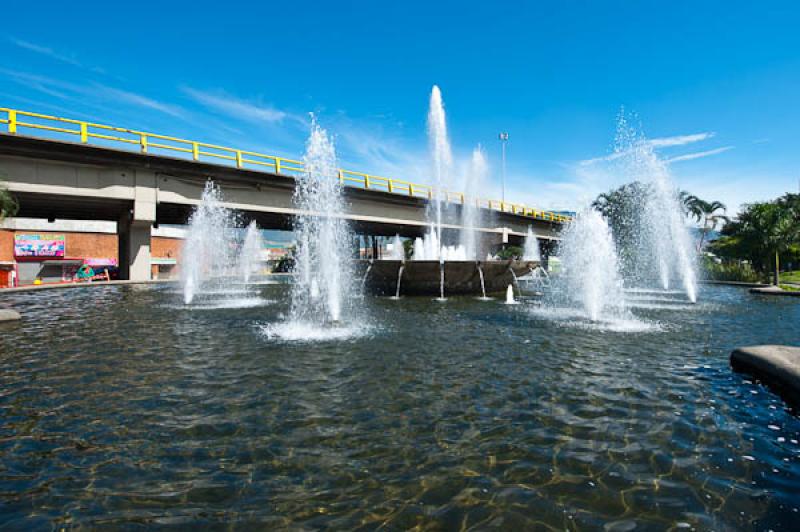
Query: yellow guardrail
column 153, row 143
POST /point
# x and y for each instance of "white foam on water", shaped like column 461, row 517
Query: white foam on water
column 663, row 306
column 220, row 304
column 656, row 299
column 574, row 317
column 652, row 291
column 222, row 292
column 310, row 332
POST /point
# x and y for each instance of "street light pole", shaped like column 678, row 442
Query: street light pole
column 503, row 141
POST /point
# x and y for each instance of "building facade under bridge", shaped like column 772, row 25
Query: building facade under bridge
column 34, row 251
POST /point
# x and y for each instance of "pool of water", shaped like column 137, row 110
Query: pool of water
column 121, row 407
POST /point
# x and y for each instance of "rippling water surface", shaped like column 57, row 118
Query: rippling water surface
column 120, row 407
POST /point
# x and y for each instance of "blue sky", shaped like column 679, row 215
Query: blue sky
column 717, row 83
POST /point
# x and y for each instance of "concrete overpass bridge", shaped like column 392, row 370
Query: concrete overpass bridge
column 71, row 169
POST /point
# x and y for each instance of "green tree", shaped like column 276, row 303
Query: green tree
column 408, row 248
column 762, row 233
column 692, row 205
column 510, row 252
column 709, row 213
column 8, row 203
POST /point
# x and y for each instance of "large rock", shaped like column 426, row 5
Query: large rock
column 776, row 365
column 8, row 315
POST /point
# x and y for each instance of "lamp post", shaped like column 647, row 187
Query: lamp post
column 503, row 141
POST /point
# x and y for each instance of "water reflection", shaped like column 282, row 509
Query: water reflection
column 120, row 407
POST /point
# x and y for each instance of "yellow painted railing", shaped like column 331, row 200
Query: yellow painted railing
column 21, row 122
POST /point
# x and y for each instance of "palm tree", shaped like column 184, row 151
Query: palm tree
column 692, row 205
column 776, row 227
column 711, row 217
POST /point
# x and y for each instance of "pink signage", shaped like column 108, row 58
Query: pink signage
column 52, row 246
column 100, row 262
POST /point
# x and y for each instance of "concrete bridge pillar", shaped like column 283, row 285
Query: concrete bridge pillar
column 134, row 249
column 134, row 230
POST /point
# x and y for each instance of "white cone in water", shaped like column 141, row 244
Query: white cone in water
column 510, row 295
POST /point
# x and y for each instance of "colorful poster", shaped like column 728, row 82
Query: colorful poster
column 53, row 246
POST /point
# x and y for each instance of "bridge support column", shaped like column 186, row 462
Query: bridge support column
column 134, row 249
column 134, row 229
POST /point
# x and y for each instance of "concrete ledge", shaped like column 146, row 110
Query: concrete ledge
column 100, row 283
column 776, row 365
column 773, row 290
column 8, row 315
column 80, row 285
column 743, row 284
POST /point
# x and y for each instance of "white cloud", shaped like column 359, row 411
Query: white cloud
column 90, row 93
column 661, row 142
column 679, row 140
column 52, row 54
column 366, row 146
column 236, row 108
column 43, row 50
column 139, row 100
column 698, row 155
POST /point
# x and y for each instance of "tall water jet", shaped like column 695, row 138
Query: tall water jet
column 510, row 296
column 399, row 279
column 663, row 243
column 442, row 160
column 531, row 250
column 323, row 289
column 483, row 283
column 590, row 268
column 470, row 213
column 250, row 253
column 419, row 249
column 397, row 252
column 207, row 255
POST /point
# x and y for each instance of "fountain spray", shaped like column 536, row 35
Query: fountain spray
column 323, row 288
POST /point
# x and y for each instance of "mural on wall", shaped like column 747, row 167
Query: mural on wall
column 53, row 246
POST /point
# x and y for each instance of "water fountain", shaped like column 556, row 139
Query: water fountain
column 590, row 275
column 323, row 289
column 438, row 267
column 219, row 256
column 250, row 254
column 510, row 296
column 531, row 249
column 208, row 253
column 483, row 283
column 662, row 245
column 397, row 252
column 470, row 212
column 399, row 279
column 442, row 160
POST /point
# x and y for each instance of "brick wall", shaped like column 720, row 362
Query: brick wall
column 166, row 248
column 93, row 245
column 78, row 245
column 6, row 245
